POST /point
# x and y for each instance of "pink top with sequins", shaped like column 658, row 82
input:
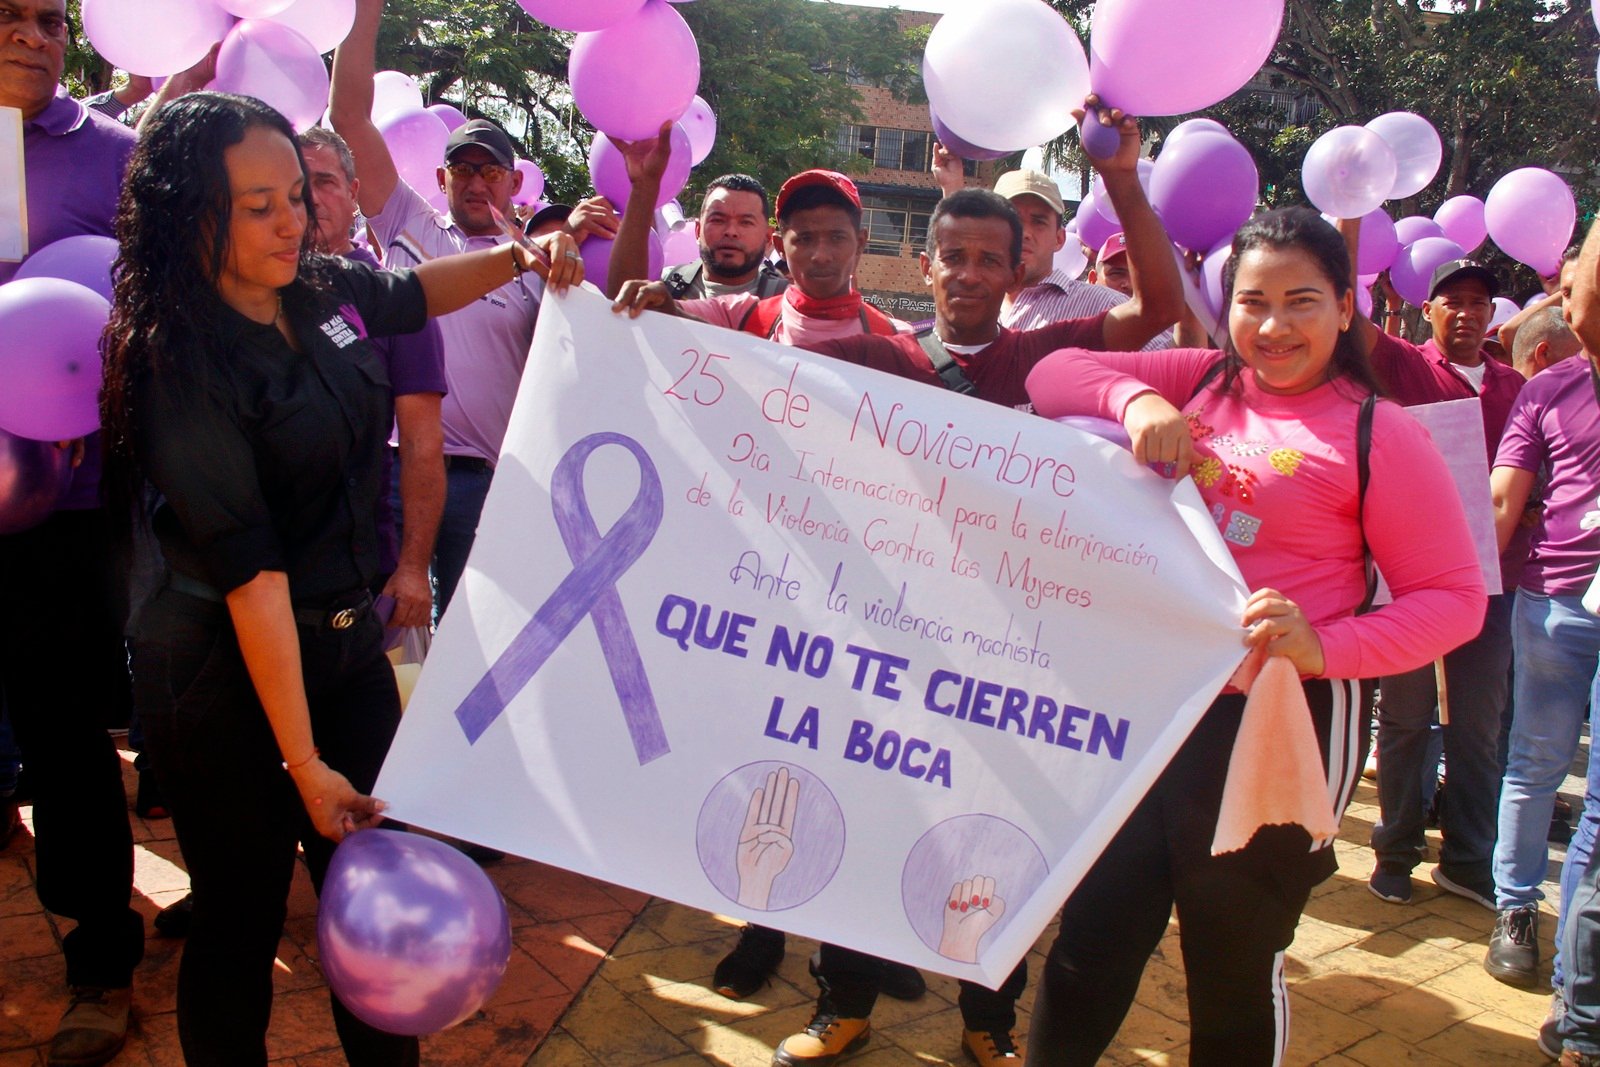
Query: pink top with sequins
column 1279, row 475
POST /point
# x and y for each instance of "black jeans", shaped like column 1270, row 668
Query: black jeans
column 1236, row 912
column 64, row 680
column 238, row 815
column 849, row 980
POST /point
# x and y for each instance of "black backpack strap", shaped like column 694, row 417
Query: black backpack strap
column 1363, row 475
column 769, row 282
column 944, row 364
column 680, row 283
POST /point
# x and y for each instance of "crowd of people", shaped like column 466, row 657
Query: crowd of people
column 309, row 373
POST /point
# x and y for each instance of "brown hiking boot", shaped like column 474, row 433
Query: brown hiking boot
column 93, row 1029
column 826, row 1039
column 991, row 1048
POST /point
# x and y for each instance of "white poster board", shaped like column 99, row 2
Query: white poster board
column 13, row 189
column 776, row 636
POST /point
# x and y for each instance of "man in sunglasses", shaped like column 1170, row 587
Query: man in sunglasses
column 485, row 343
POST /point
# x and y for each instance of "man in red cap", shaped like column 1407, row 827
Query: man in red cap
column 1111, row 266
column 819, row 235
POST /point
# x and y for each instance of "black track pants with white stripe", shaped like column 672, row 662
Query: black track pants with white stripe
column 1236, row 913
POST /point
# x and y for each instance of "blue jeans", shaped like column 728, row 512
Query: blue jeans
column 465, row 490
column 1578, row 943
column 1557, row 646
column 1476, row 675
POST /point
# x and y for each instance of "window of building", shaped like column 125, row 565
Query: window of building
column 895, row 224
column 891, row 149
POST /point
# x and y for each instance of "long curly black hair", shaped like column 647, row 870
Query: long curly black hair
column 1303, row 229
column 172, row 224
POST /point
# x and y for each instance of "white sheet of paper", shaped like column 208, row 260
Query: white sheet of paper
column 13, row 189
column 1456, row 427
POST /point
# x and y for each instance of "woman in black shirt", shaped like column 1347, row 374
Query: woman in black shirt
column 239, row 383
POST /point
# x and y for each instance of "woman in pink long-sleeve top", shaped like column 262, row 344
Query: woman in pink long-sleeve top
column 1269, row 432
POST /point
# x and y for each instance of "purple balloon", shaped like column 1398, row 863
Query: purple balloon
column 532, row 183
column 1413, row 228
column 1189, row 126
column 596, row 253
column 1530, row 214
column 1413, row 268
column 34, row 476
column 449, row 114
column 414, row 936
column 581, row 14
column 1205, row 188
column 608, row 169
column 956, row 146
column 1461, row 219
column 416, row 138
column 325, row 23
column 636, row 74
column 274, row 64
column 1107, row 429
column 1170, row 57
column 1099, row 140
column 1379, row 242
column 1211, row 279
column 1102, row 202
column 700, row 123
column 85, row 259
column 1093, row 226
column 154, row 36
column 50, row 358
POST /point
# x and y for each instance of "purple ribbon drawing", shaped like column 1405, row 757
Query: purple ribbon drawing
column 589, row 589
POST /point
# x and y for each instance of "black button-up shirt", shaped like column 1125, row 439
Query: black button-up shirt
column 270, row 459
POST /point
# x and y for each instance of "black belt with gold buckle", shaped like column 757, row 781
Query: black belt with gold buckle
column 334, row 618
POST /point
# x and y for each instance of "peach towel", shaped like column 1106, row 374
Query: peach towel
column 1275, row 775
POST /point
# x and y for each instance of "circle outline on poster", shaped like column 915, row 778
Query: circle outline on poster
column 730, row 811
column 961, row 850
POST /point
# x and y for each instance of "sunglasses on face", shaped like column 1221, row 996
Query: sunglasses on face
column 491, row 171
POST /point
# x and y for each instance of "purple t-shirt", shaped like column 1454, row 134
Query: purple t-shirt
column 73, row 160
column 1556, row 422
column 416, row 365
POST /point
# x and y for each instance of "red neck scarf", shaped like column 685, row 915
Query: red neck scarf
column 846, row 306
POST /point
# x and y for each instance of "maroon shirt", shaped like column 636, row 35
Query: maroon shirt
column 999, row 373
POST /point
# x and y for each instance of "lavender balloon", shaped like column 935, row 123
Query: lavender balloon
column 1413, row 228
column 581, row 14
column 1006, row 74
column 154, row 36
column 700, row 123
column 1205, row 188
column 608, row 169
column 394, row 90
column 325, row 23
column 1461, row 219
column 414, row 936
column 1417, row 150
column 1169, row 57
column 1093, row 226
column 452, row 116
column 34, row 476
column 636, row 74
column 253, row 9
column 1099, row 140
column 532, row 183
column 1190, row 126
column 50, row 358
column 596, row 253
column 1530, row 214
column 1348, row 171
column 85, row 259
column 1503, row 310
column 416, row 138
column 1211, row 269
column 276, row 65
column 1379, row 242
column 957, row 146
column 1413, row 269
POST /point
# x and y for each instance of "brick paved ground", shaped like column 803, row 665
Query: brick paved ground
column 602, row 976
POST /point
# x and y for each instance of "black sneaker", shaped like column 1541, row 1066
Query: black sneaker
column 1476, row 886
column 1391, row 881
column 752, row 961
column 902, row 982
column 173, row 920
column 1513, row 955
